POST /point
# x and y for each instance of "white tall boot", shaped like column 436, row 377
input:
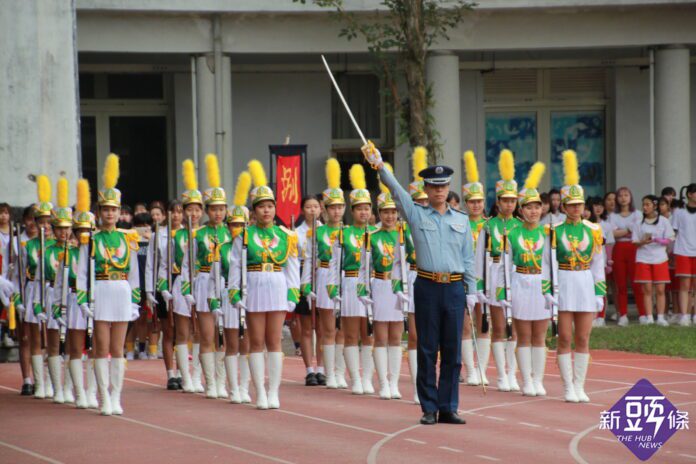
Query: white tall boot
column 38, row 367
column 257, row 367
column 565, row 365
column 499, row 358
column 208, row 367
column 413, row 367
column 484, row 355
column 232, row 369
column 329, row 355
column 352, row 355
column 538, row 368
column 91, row 392
column 101, row 371
column 48, row 385
column 275, row 372
column 196, row 377
column 67, row 381
column 182, row 363
column 381, row 364
column 78, row 382
column 244, row 378
column 472, row 377
column 220, row 375
column 368, row 369
column 118, row 369
column 54, row 368
column 512, row 365
column 582, row 360
column 524, row 359
column 395, row 357
column 340, row 367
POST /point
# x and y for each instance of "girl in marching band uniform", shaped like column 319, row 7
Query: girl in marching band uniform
column 236, row 343
column 192, row 202
column 206, row 250
column 272, row 269
column 530, row 285
column 116, row 292
column 496, row 228
column 388, row 312
column 54, row 259
column 474, row 199
column 580, row 281
column 327, row 234
column 353, row 301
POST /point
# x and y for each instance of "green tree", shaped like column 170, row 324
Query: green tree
column 398, row 36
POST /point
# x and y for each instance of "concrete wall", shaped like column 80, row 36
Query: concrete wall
column 268, row 107
column 183, row 129
column 473, row 119
column 38, row 104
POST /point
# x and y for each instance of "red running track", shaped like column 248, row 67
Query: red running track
column 332, row 426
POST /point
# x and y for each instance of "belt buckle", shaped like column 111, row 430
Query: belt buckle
column 577, row 267
column 387, row 275
column 266, row 267
column 114, row 275
column 442, row 277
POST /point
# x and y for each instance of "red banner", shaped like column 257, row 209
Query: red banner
column 288, row 187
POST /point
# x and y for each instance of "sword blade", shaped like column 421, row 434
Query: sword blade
column 343, row 100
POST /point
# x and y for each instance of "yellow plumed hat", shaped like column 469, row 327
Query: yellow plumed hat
column 239, row 213
column 110, row 195
column 62, row 214
column 83, row 219
column 506, row 187
column 191, row 193
column 214, row 195
column 473, row 189
column 333, row 195
column 261, row 191
column 359, row 195
column 384, row 199
column 572, row 192
column 419, row 162
column 530, row 192
column 43, row 191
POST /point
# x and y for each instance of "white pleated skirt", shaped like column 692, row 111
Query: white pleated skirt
column 52, row 324
column 576, row 291
column 201, row 292
column 112, row 301
column 528, row 302
column 323, row 300
column 412, row 275
column 31, row 290
column 351, row 306
column 230, row 314
column 76, row 320
column 495, row 280
column 385, row 307
column 266, row 292
column 180, row 306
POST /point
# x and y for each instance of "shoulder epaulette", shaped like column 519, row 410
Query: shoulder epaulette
column 560, row 223
column 287, row 231
column 547, row 229
column 591, row 225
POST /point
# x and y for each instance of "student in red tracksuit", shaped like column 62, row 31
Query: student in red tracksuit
column 625, row 219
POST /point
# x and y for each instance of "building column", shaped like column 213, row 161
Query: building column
column 672, row 118
column 443, row 74
column 208, row 96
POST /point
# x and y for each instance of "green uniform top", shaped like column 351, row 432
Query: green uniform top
column 352, row 247
column 476, row 226
column 497, row 227
column 383, row 244
column 410, row 247
column 32, row 256
column 326, row 236
column 207, row 242
column 577, row 246
column 54, row 266
column 179, row 243
column 526, row 247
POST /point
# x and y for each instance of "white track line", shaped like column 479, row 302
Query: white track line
column 10, row 389
column 447, row 448
column 678, row 392
column 528, row 424
column 687, row 456
column 643, row 368
column 203, row 439
column 30, row 453
column 487, row 458
column 417, row 442
column 374, row 451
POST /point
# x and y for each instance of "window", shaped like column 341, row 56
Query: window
column 362, row 92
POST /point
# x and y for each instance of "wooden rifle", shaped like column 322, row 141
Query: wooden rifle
column 404, row 271
column 65, row 290
column 338, row 305
column 554, row 281
column 155, row 267
column 91, row 282
column 313, row 263
column 192, row 272
column 11, row 260
column 486, row 279
column 243, row 278
column 506, row 280
column 42, row 282
column 170, row 270
column 368, row 279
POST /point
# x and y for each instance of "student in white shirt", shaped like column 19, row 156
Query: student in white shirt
column 684, row 221
column 555, row 214
column 652, row 235
column 595, row 206
column 624, row 255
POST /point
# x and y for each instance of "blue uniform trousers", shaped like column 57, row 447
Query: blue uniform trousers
column 439, row 318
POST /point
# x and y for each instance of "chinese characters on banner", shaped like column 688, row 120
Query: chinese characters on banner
column 288, row 180
column 643, row 420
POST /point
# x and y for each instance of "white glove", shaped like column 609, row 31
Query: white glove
column 190, row 300
column 240, row 305
column 166, row 296
column 86, row 311
column 20, row 308
column 291, row 306
column 42, row 317
column 151, row 300
column 482, row 298
column 6, row 289
column 366, row 300
column 551, row 300
column 337, row 299
column 311, row 296
column 61, row 322
column 599, row 300
column 4, row 299
column 505, row 304
column 135, row 312
column 471, row 301
column 402, row 299
column 372, row 155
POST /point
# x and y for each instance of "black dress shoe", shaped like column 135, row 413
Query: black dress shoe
column 311, row 380
column 27, row 389
column 172, row 384
column 179, row 383
column 429, row 418
column 321, row 379
column 446, row 417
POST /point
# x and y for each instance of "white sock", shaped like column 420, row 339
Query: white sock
column 320, row 369
column 310, row 370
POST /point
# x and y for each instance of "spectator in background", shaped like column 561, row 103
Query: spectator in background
column 125, row 220
column 625, row 219
column 595, row 206
column 652, row 235
column 545, row 206
column 139, row 208
column 142, row 223
column 158, row 213
column 555, row 215
column 672, row 288
column 609, row 203
column 669, row 193
column 453, row 200
column 684, row 221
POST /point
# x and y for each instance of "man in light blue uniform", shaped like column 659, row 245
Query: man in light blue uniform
column 445, row 260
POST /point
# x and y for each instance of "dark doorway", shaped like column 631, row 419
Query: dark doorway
column 88, row 146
